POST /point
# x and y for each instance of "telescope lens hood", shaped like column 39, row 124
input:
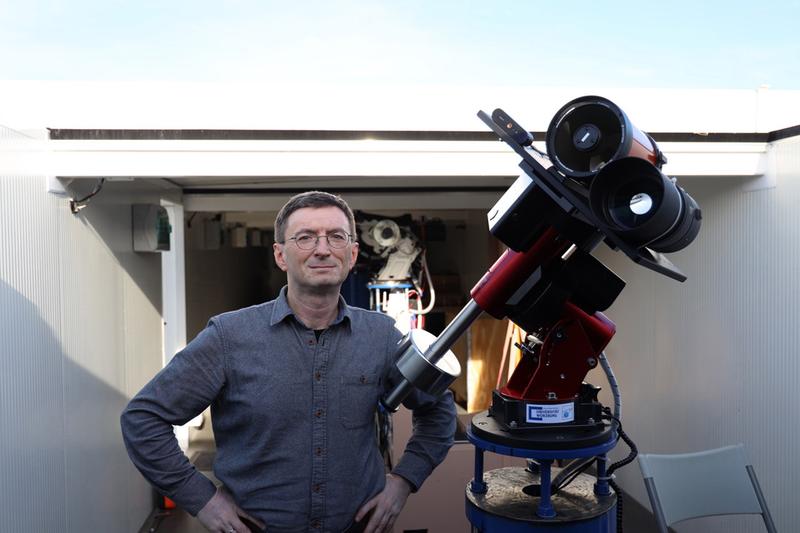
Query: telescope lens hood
column 643, row 206
column 685, row 231
column 590, row 132
column 586, row 134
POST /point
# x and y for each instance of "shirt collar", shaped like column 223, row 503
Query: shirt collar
column 281, row 310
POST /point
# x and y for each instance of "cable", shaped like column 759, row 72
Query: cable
column 618, row 492
column 619, row 464
column 575, row 468
column 76, row 205
column 570, row 473
column 542, row 154
column 419, row 290
column 624, row 436
column 612, row 381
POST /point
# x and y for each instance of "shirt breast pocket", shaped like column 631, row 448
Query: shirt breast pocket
column 358, row 399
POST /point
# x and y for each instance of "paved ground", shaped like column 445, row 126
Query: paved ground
column 637, row 519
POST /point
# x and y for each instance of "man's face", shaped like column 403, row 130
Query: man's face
column 322, row 266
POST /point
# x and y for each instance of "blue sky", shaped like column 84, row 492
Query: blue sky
column 696, row 44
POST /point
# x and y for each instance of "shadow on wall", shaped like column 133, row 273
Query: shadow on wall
column 112, row 223
column 62, row 461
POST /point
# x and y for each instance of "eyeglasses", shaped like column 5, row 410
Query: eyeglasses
column 309, row 241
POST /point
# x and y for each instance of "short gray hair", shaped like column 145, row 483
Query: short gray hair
column 313, row 199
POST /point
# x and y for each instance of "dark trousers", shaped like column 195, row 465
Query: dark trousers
column 358, row 527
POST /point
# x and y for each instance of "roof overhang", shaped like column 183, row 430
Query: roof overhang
column 225, row 163
column 221, row 170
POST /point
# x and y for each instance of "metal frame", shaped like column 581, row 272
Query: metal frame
column 725, row 457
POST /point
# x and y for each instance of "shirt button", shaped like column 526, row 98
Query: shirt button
column 317, row 487
column 318, row 414
column 318, row 376
column 310, row 342
column 316, row 524
column 318, row 451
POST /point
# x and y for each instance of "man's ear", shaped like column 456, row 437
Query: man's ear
column 353, row 255
column 277, row 251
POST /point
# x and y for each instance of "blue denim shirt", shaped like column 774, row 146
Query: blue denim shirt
column 292, row 416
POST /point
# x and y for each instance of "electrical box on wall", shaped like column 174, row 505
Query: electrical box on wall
column 151, row 228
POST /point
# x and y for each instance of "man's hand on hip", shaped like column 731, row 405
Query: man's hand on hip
column 221, row 515
column 386, row 505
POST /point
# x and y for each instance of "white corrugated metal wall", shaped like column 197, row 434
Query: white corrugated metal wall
column 80, row 331
column 714, row 361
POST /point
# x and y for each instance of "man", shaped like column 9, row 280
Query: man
column 293, row 386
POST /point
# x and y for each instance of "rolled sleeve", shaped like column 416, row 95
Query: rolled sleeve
column 433, row 429
column 181, row 391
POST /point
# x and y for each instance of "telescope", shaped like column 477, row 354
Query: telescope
column 600, row 181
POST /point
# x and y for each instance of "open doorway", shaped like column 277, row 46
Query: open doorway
column 229, row 265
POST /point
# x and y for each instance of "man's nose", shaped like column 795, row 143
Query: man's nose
column 322, row 247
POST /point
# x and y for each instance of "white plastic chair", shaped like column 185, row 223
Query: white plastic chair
column 707, row 483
